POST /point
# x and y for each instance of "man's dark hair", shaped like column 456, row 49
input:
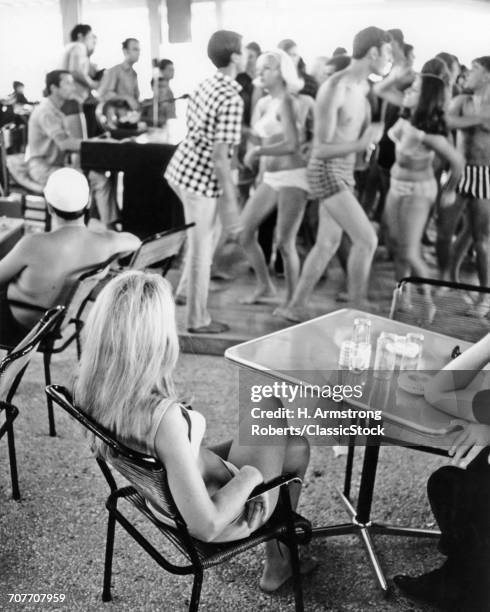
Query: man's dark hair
column 484, row 62
column 397, row 35
column 255, row 47
column 286, row 44
column 80, row 28
column 164, row 63
column 16, row 84
column 339, row 62
column 221, row 47
column 339, row 51
column 407, row 49
column 125, row 43
column 368, row 38
column 53, row 78
column 448, row 58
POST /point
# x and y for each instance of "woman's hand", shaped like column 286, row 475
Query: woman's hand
column 256, row 509
column 448, row 197
column 251, row 157
column 371, row 135
column 471, row 441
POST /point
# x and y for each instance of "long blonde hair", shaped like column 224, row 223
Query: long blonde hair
column 130, row 350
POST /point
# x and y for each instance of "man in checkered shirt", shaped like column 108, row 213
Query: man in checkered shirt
column 200, row 173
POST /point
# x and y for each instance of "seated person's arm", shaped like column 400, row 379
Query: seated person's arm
column 205, row 517
column 55, row 129
column 454, row 388
column 14, row 262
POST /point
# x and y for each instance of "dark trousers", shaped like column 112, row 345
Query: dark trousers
column 460, row 501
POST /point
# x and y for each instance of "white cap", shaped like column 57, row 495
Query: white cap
column 67, row 190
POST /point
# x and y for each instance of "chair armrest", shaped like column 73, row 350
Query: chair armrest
column 278, row 481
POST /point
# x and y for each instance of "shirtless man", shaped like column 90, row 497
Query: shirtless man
column 38, row 270
column 342, row 118
column 474, row 186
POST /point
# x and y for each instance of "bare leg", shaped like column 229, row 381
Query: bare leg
column 480, row 226
column 327, row 242
column 282, row 455
column 256, row 210
column 291, row 207
column 413, row 215
column 349, row 215
column 394, row 224
column 460, row 248
column 447, row 221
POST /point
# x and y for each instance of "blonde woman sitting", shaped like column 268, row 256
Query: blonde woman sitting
column 125, row 383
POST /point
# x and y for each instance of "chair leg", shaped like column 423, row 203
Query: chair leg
column 109, row 550
column 13, row 462
column 47, row 378
column 293, row 550
column 196, row 592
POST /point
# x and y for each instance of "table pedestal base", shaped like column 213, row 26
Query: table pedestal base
column 365, row 530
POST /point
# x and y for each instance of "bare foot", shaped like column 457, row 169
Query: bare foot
column 429, row 312
column 274, row 576
column 480, row 309
column 262, row 295
column 296, row 315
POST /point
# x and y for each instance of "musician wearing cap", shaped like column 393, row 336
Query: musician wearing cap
column 42, row 267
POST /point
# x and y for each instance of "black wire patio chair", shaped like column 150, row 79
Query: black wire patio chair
column 148, row 479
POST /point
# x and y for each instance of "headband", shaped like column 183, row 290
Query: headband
column 432, row 75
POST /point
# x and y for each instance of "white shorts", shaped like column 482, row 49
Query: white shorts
column 287, row 178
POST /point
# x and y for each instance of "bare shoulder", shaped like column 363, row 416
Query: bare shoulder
column 333, row 89
column 125, row 240
column 171, row 431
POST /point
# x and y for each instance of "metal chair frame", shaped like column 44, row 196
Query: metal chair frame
column 12, row 369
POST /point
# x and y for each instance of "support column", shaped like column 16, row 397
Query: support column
column 220, row 17
column 155, row 18
column 71, row 14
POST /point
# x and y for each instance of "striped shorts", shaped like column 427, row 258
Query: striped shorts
column 328, row 177
column 475, row 182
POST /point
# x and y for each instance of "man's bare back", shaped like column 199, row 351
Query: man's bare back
column 41, row 267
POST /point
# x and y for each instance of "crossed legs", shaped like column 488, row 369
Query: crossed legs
column 278, row 455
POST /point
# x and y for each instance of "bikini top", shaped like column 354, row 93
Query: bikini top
column 409, row 142
column 269, row 124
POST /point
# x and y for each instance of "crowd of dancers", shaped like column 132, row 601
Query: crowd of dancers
column 376, row 146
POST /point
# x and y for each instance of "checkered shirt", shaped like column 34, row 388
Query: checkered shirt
column 214, row 115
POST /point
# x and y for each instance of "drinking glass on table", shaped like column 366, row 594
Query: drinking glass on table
column 412, row 353
column 362, row 331
column 385, row 358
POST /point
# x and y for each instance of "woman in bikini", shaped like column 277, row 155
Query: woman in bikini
column 413, row 186
column 125, row 383
column 279, row 123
